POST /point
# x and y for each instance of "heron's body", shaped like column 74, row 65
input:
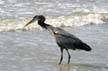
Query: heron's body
column 64, row 39
column 68, row 41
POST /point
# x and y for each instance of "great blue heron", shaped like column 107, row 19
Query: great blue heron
column 64, row 39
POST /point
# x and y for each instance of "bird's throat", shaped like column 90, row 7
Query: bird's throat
column 42, row 24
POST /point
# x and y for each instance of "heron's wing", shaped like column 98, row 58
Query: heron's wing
column 66, row 40
column 69, row 41
column 65, row 34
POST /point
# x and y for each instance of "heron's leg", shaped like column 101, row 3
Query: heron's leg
column 68, row 56
column 61, row 56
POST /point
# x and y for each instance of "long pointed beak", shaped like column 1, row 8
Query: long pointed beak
column 33, row 20
column 28, row 23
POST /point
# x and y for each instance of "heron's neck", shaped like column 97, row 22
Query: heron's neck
column 43, row 25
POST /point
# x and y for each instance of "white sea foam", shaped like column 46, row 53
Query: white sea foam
column 73, row 20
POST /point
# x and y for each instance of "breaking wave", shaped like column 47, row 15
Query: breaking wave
column 76, row 19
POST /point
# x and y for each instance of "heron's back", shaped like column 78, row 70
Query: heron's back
column 69, row 41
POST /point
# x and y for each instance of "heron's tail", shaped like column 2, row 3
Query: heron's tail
column 86, row 47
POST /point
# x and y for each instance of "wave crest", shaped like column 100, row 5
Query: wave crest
column 73, row 20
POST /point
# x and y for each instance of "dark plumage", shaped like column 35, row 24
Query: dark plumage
column 64, row 39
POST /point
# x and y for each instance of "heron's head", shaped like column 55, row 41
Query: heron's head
column 40, row 18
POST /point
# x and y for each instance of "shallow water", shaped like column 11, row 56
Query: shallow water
column 14, row 14
column 21, row 8
column 37, row 50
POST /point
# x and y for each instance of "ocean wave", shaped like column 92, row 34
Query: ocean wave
column 75, row 19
